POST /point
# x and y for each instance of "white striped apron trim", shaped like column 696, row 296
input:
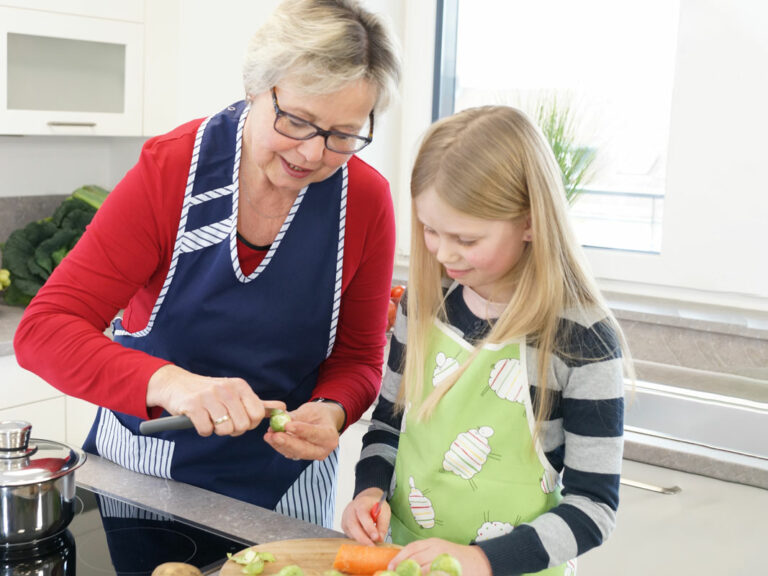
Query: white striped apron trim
column 203, row 237
column 144, row 454
column 312, row 497
column 339, row 261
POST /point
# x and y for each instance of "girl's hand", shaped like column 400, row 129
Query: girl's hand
column 472, row 558
column 204, row 399
column 312, row 433
column 356, row 520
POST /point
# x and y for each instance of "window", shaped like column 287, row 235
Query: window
column 609, row 63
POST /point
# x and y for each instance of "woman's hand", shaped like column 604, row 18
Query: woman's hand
column 221, row 406
column 356, row 520
column 311, row 434
column 472, row 558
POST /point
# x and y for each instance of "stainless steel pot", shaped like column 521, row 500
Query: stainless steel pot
column 37, row 484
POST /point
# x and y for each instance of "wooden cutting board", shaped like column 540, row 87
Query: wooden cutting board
column 313, row 555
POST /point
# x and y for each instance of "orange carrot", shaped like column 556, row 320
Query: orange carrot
column 364, row 560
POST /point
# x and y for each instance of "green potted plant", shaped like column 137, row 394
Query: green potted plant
column 557, row 120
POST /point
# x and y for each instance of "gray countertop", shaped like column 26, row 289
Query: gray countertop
column 195, row 505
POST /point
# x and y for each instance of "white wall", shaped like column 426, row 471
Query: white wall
column 716, row 212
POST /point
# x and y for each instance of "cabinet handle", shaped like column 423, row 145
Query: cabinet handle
column 651, row 487
column 78, row 124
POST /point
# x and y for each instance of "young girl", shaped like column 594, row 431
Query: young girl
column 499, row 438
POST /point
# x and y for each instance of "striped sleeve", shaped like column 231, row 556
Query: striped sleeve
column 376, row 466
column 583, row 438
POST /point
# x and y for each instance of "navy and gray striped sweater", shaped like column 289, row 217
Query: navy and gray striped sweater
column 582, row 438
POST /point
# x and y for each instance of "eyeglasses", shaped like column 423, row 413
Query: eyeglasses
column 299, row 129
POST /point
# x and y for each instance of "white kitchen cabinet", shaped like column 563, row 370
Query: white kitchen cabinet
column 53, row 415
column 80, row 416
column 709, row 527
column 48, row 418
column 20, row 387
column 70, row 74
column 130, row 10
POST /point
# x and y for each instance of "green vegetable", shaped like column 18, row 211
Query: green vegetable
column 278, row 419
column 31, row 253
column 5, row 279
column 408, row 567
column 251, row 560
column 446, row 563
column 291, row 570
column 333, row 573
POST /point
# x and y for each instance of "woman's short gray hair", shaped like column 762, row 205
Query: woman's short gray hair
column 320, row 46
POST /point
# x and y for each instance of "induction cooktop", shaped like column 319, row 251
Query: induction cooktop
column 112, row 537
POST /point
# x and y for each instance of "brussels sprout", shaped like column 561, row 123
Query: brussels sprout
column 408, row 567
column 446, row 563
column 278, row 419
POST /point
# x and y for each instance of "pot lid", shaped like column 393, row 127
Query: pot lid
column 22, row 462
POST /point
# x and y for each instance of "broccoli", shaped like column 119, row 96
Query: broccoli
column 31, row 253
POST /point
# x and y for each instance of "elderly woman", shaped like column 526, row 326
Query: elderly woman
column 252, row 253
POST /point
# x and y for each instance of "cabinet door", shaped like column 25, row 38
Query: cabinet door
column 21, row 387
column 69, row 74
column 132, row 10
column 48, row 418
column 80, row 417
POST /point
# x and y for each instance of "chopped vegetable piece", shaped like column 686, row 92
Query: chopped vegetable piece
column 291, row 570
column 446, row 563
column 408, row 567
column 359, row 559
column 251, row 560
column 332, row 573
column 255, row 567
column 278, row 419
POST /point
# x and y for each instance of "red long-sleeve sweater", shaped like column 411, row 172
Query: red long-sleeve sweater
column 122, row 260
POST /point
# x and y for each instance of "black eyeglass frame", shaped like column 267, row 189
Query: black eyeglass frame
column 279, row 113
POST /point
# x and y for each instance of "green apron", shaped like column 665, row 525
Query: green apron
column 472, row 472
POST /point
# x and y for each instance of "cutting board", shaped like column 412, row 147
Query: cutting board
column 313, row 555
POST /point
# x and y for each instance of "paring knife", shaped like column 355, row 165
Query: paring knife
column 376, row 510
column 165, row 423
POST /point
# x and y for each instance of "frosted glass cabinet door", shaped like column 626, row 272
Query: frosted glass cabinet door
column 64, row 74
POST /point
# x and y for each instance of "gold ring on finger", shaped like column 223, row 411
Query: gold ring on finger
column 221, row 420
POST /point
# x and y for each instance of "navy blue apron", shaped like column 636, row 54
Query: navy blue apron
column 273, row 328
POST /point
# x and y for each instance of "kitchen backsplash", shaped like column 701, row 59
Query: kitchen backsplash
column 17, row 211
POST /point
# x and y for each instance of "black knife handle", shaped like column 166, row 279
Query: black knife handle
column 165, row 423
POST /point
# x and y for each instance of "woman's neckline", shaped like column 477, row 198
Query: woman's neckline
column 251, row 245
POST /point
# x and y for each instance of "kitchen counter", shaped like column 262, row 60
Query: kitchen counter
column 195, row 505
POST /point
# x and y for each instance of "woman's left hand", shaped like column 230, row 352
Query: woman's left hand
column 312, row 433
column 472, row 558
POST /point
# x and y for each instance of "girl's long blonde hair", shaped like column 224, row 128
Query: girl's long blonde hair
column 492, row 162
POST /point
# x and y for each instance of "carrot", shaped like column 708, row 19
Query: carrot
column 364, row 560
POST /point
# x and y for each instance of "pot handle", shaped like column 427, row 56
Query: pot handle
column 166, row 423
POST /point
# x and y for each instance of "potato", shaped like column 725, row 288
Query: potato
column 176, row 569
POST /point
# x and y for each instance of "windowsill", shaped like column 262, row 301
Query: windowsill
column 691, row 315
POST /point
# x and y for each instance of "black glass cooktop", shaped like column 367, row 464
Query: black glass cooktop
column 110, row 537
